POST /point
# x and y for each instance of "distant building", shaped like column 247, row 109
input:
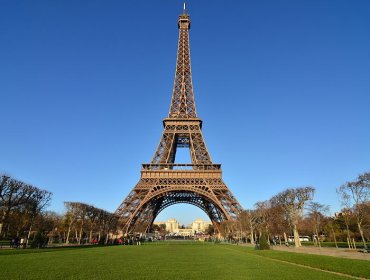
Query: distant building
column 173, row 227
column 159, row 223
column 199, row 225
column 185, row 232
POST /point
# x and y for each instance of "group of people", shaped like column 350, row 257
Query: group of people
column 131, row 241
column 17, row 242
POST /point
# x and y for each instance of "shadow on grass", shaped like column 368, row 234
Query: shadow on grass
column 19, row 251
column 49, row 249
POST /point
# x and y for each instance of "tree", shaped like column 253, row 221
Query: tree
column 82, row 210
column 316, row 212
column 332, row 228
column 248, row 222
column 52, row 224
column 263, row 242
column 292, row 202
column 356, row 195
column 263, row 214
column 346, row 213
column 278, row 222
column 20, row 204
column 210, row 229
column 70, row 217
column 85, row 218
column 367, row 221
column 93, row 216
column 13, row 194
column 228, row 229
column 36, row 203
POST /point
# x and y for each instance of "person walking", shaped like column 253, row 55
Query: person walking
column 16, row 242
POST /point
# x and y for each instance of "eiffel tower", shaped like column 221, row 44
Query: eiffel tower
column 164, row 183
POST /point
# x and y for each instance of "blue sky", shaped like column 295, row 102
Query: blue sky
column 283, row 88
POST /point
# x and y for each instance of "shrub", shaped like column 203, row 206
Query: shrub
column 40, row 240
column 263, row 244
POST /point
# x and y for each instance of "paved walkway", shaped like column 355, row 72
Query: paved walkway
column 335, row 252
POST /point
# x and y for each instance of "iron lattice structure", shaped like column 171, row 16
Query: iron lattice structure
column 164, row 183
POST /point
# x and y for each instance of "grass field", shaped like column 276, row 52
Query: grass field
column 173, row 260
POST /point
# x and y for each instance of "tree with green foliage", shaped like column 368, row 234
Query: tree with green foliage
column 263, row 242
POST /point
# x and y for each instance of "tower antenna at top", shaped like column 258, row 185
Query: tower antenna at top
column 184, row 8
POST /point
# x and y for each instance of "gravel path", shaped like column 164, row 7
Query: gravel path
column 335, row 252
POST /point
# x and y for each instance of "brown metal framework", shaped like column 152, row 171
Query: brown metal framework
column 164, row 183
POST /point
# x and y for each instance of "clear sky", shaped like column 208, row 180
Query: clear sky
column 283, row 88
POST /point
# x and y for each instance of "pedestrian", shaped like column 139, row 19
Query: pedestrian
column 16, row 242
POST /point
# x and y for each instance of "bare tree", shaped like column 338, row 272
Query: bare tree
column 356, row 195
column 37, row 202
column 20, row 204
column 332, row 228
column 52, row 224
column 4, row 182
column 93, row 216
column 210, row 230
column 279, row 223
column 85, row 219
column 228, row 229
column 292, row 202
column 263, row 213
column 13, row 194
column 345, row 200
column 316, row 212
column 82, row 212
column 70, row 217
column 248, row 221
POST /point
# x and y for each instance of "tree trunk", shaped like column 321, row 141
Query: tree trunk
column 362, row 235
column 335, row 238
column 285, row 239
column 349, row 243
column 5, row 224
column 348, row 235
column 106, row 238
column 90, row 236
column 29, row 234
column 317, row 236
column 297, row 242
column 267, row 235
column 80, row 234
column 2, row 224
column 255, row 237
column 252, row 234
column 68, row 232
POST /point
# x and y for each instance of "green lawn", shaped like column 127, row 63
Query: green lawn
column 173, row 260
